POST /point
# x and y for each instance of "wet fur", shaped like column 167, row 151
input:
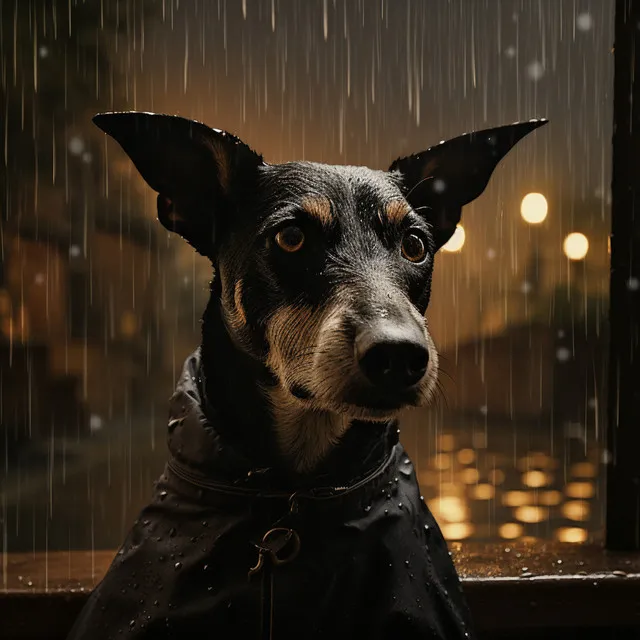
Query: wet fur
column 279, row 329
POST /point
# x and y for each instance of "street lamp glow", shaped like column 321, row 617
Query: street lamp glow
column 575, row 246
column 534, row 208
column 456, row 241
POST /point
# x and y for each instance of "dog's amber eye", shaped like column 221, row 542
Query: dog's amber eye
column 290, row 239
column 413, row 248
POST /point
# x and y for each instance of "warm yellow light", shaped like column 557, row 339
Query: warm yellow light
column 457, row 530
column 469, row 475
column 446, row 442
column 534, row 208
column 536, row 479
column 483, row 492
column 515, row 498
column 576, row 510
column 449, row 509
column 575, row 246
column 550, row 498
column 530, row 513
column 579, row 490
column 442, row 461
column 571, row 534
column 466, row 456
column 535, row 460
column 496, row 476
column 583, row 470
column 510, row 530
column 456, row 241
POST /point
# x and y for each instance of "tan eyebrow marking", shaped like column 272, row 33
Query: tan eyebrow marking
column 319, row 207
column 395, row 211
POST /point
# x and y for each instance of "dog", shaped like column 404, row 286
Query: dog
column 288, row 507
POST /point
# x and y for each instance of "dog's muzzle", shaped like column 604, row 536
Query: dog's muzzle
column 392, row 357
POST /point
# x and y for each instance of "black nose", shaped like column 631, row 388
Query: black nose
column 392, row 357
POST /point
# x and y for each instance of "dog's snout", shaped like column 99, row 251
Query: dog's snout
column 392, row 357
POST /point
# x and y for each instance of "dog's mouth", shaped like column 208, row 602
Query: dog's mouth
column 362, row 404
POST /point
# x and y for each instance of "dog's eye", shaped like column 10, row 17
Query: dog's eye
column 290, row 239
column 413, row 247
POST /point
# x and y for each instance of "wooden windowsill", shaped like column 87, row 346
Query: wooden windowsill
column 533, row 586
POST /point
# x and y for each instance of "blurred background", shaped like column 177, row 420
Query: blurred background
column 99, row 306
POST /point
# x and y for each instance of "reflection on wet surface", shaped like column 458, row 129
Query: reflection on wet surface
column 488, row 493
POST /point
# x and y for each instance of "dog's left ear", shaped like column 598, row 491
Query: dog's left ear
column 198, row 172
column 438, row 182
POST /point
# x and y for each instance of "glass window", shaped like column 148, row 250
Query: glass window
column 99, row 308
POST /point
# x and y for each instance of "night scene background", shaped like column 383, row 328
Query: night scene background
column 99, row 306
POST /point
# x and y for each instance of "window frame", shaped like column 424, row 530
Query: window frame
column 622, row 521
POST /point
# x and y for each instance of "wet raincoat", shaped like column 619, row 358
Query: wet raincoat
column 365, row 560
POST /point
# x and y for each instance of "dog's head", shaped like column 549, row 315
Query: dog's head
column 323, row 272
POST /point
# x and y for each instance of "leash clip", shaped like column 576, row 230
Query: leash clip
column 279, row 546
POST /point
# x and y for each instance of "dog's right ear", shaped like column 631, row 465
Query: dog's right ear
column 197, row 171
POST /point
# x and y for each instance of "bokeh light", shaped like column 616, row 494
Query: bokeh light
column 575, row 246
column 534, row 208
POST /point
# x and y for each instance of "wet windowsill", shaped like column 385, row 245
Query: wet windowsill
column 509, row 587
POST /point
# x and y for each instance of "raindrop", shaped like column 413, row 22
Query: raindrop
column 535, row 70
column 584, row 21
column 95, row 423
column 76, row 145
column 439, row 185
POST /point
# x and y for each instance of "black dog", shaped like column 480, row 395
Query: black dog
column 288, row 508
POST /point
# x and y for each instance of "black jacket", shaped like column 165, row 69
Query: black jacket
column 371, row 562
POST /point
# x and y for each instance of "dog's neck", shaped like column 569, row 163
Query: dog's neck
column 259, row 418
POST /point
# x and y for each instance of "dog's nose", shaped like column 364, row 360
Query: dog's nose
column 391, row 356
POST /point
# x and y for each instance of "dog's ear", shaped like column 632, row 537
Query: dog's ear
column 197, row 171
column 438, row 182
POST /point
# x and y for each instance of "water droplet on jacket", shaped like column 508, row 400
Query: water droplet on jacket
column 367, row 508
column 172, row 532
column 406, row 563
column 132, row 623
column 400, row 505
column 178, row 565
column 426, row 527
column 156, row 603
column 386, row 512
